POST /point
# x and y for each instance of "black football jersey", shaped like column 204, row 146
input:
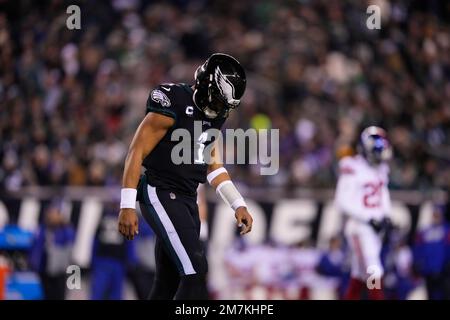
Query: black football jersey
column 175, row 101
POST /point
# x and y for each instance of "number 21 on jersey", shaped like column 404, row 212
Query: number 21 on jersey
column 372, row 194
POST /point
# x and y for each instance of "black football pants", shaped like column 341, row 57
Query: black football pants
column 181, row 264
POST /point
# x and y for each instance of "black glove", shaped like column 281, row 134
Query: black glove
column 380, row 225
column 376, row 225
column 387, row 224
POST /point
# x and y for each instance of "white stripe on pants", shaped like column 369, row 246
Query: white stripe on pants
column 174, row 239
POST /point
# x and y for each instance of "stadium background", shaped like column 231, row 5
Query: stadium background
column 70, row 101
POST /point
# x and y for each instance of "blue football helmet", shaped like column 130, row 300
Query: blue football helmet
column 374, row 145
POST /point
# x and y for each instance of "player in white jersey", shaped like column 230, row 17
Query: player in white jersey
column 362, row 195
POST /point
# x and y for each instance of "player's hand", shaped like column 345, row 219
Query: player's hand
column 244, row 220
column 381, row 225
column 128, row 223
column 387, row 224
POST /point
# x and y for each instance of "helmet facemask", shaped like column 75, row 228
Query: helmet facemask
column 374, row 145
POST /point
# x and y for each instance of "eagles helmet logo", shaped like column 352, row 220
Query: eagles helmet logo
column 160, row 97
column 226, row 87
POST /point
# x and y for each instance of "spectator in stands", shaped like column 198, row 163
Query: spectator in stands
column 51, row 251
column 399, row 279
column 430, row 255
column 446, row 273
column 110, row 258
column 334, row 263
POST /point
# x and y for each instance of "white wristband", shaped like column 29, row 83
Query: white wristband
column 128, row 198
column 212, row 175
column 203, row 230
column 230, row 195
column 238, row 203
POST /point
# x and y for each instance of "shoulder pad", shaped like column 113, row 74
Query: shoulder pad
column 347, row 165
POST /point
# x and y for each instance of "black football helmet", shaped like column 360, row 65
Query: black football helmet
column 219, row 85
column 374, row 145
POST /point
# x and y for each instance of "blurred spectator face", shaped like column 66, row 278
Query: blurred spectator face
column 437, row 217
column 10, row 161
column 39, row 135
column 41, row 156
column 54, row 217
column 97, row 173
column 335, row 243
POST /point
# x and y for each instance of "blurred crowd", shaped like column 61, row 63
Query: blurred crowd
column 70, row 100
column 41, row 264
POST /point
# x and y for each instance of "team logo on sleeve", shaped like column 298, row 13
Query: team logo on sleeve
column 160, row 97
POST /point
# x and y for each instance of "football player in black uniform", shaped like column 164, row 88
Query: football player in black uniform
column 167, row 191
